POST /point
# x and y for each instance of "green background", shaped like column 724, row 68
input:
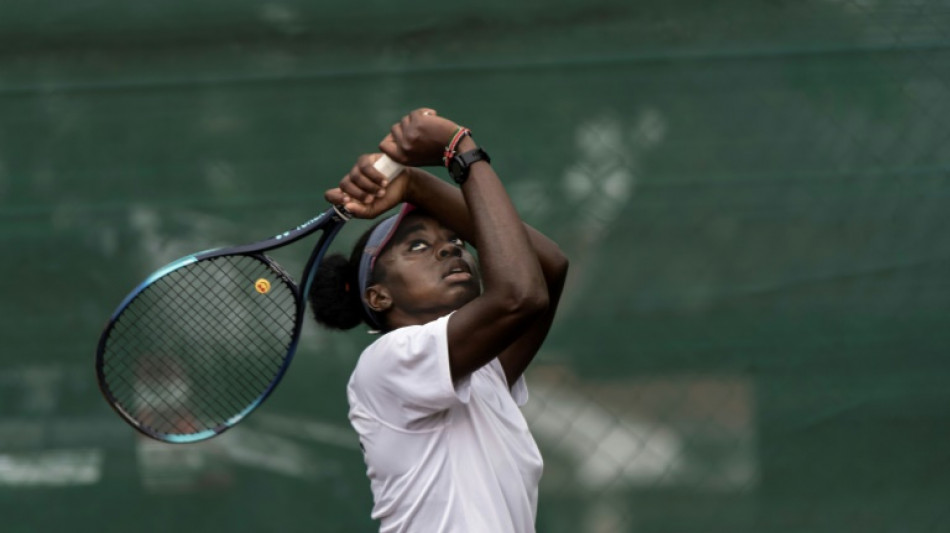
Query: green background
column 755, row 197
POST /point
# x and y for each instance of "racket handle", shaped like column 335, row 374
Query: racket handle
column 388, row 167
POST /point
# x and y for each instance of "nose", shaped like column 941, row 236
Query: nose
column 449, row 250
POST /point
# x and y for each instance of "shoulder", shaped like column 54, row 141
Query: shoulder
column 402, row 354
column 404, row 375
column 407, row 342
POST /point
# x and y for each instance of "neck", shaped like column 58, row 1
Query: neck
column 397, row 318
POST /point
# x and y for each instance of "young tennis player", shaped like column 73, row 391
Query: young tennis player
column 435, row 398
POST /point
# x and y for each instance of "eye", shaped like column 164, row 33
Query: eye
column 458, row 242
column 418, row 245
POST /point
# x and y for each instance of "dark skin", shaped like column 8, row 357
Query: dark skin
column 425, row 273
column 428, row 273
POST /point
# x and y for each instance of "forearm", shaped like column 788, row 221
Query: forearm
column 446, row 203
column 499, row 235
column 523, row 271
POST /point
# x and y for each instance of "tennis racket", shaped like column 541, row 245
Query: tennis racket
column 203, row 341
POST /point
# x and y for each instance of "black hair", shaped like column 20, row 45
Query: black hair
column 335, row 292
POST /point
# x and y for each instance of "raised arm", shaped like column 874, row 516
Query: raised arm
column 523, row 271
column 446, row 203
column 514, row 295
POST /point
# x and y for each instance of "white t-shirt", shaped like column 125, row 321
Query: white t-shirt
column 442, row 458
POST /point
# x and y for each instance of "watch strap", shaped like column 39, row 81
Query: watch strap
column 461, row 164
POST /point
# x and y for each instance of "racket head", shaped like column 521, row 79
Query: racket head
column 199, row 344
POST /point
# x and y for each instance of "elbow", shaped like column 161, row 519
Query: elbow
column 529, row 300
column 524, row 305
column 526, row 298
column 555, row 272
column 536, row 304
column 560, row 266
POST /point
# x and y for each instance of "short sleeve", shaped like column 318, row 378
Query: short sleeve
column 404, row 376
column 519, row 391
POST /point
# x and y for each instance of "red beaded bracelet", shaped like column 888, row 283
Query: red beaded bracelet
column 450, row 150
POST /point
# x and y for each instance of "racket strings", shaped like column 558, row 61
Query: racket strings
column 188, row 314
column 200, row 345
column 231, row 377
column 198, row 342
column 165, row 374
column 174, row 387
column 230, row 328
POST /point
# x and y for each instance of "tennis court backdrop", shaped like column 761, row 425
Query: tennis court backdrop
column 755, row 196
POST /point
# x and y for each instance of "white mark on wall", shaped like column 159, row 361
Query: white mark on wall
column 51, row 468
column 604, row 177
column 283, row 18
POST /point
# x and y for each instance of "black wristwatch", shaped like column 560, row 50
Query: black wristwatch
column 459, row 165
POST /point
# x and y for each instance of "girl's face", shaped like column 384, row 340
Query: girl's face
column 426, row 270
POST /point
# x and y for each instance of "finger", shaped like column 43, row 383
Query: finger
column 398, row 132
column 367, row 178
column 335, row 196
column 409, row 133
column 368, row 168
column 358, row 209
column 366, row 186
column 355, row 186
column 424, row 112
column 389, row 147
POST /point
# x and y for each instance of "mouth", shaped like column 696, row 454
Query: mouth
column 458, row 271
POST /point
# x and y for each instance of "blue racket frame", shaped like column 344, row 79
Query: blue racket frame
column 330, row 221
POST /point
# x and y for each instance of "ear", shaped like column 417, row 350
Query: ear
column 378, row 298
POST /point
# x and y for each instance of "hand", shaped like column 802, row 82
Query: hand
column 419, row 139
column 365, row 192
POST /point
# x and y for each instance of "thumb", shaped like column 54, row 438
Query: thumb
column 389, row 147
column 334, row 196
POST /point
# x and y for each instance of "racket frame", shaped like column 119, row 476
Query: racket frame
column 330, row 221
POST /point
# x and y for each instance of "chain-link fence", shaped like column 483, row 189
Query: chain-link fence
column 753, row 195
column 754, row 345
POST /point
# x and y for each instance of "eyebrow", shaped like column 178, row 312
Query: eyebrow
column 405, row 231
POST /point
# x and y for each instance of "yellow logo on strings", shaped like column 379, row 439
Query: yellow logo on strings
column 262, row 286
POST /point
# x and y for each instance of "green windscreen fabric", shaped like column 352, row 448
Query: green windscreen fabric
column 754, row 196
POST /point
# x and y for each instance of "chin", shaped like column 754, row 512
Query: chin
column 467, row 297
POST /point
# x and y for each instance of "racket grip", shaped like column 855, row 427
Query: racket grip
column 388, row 167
